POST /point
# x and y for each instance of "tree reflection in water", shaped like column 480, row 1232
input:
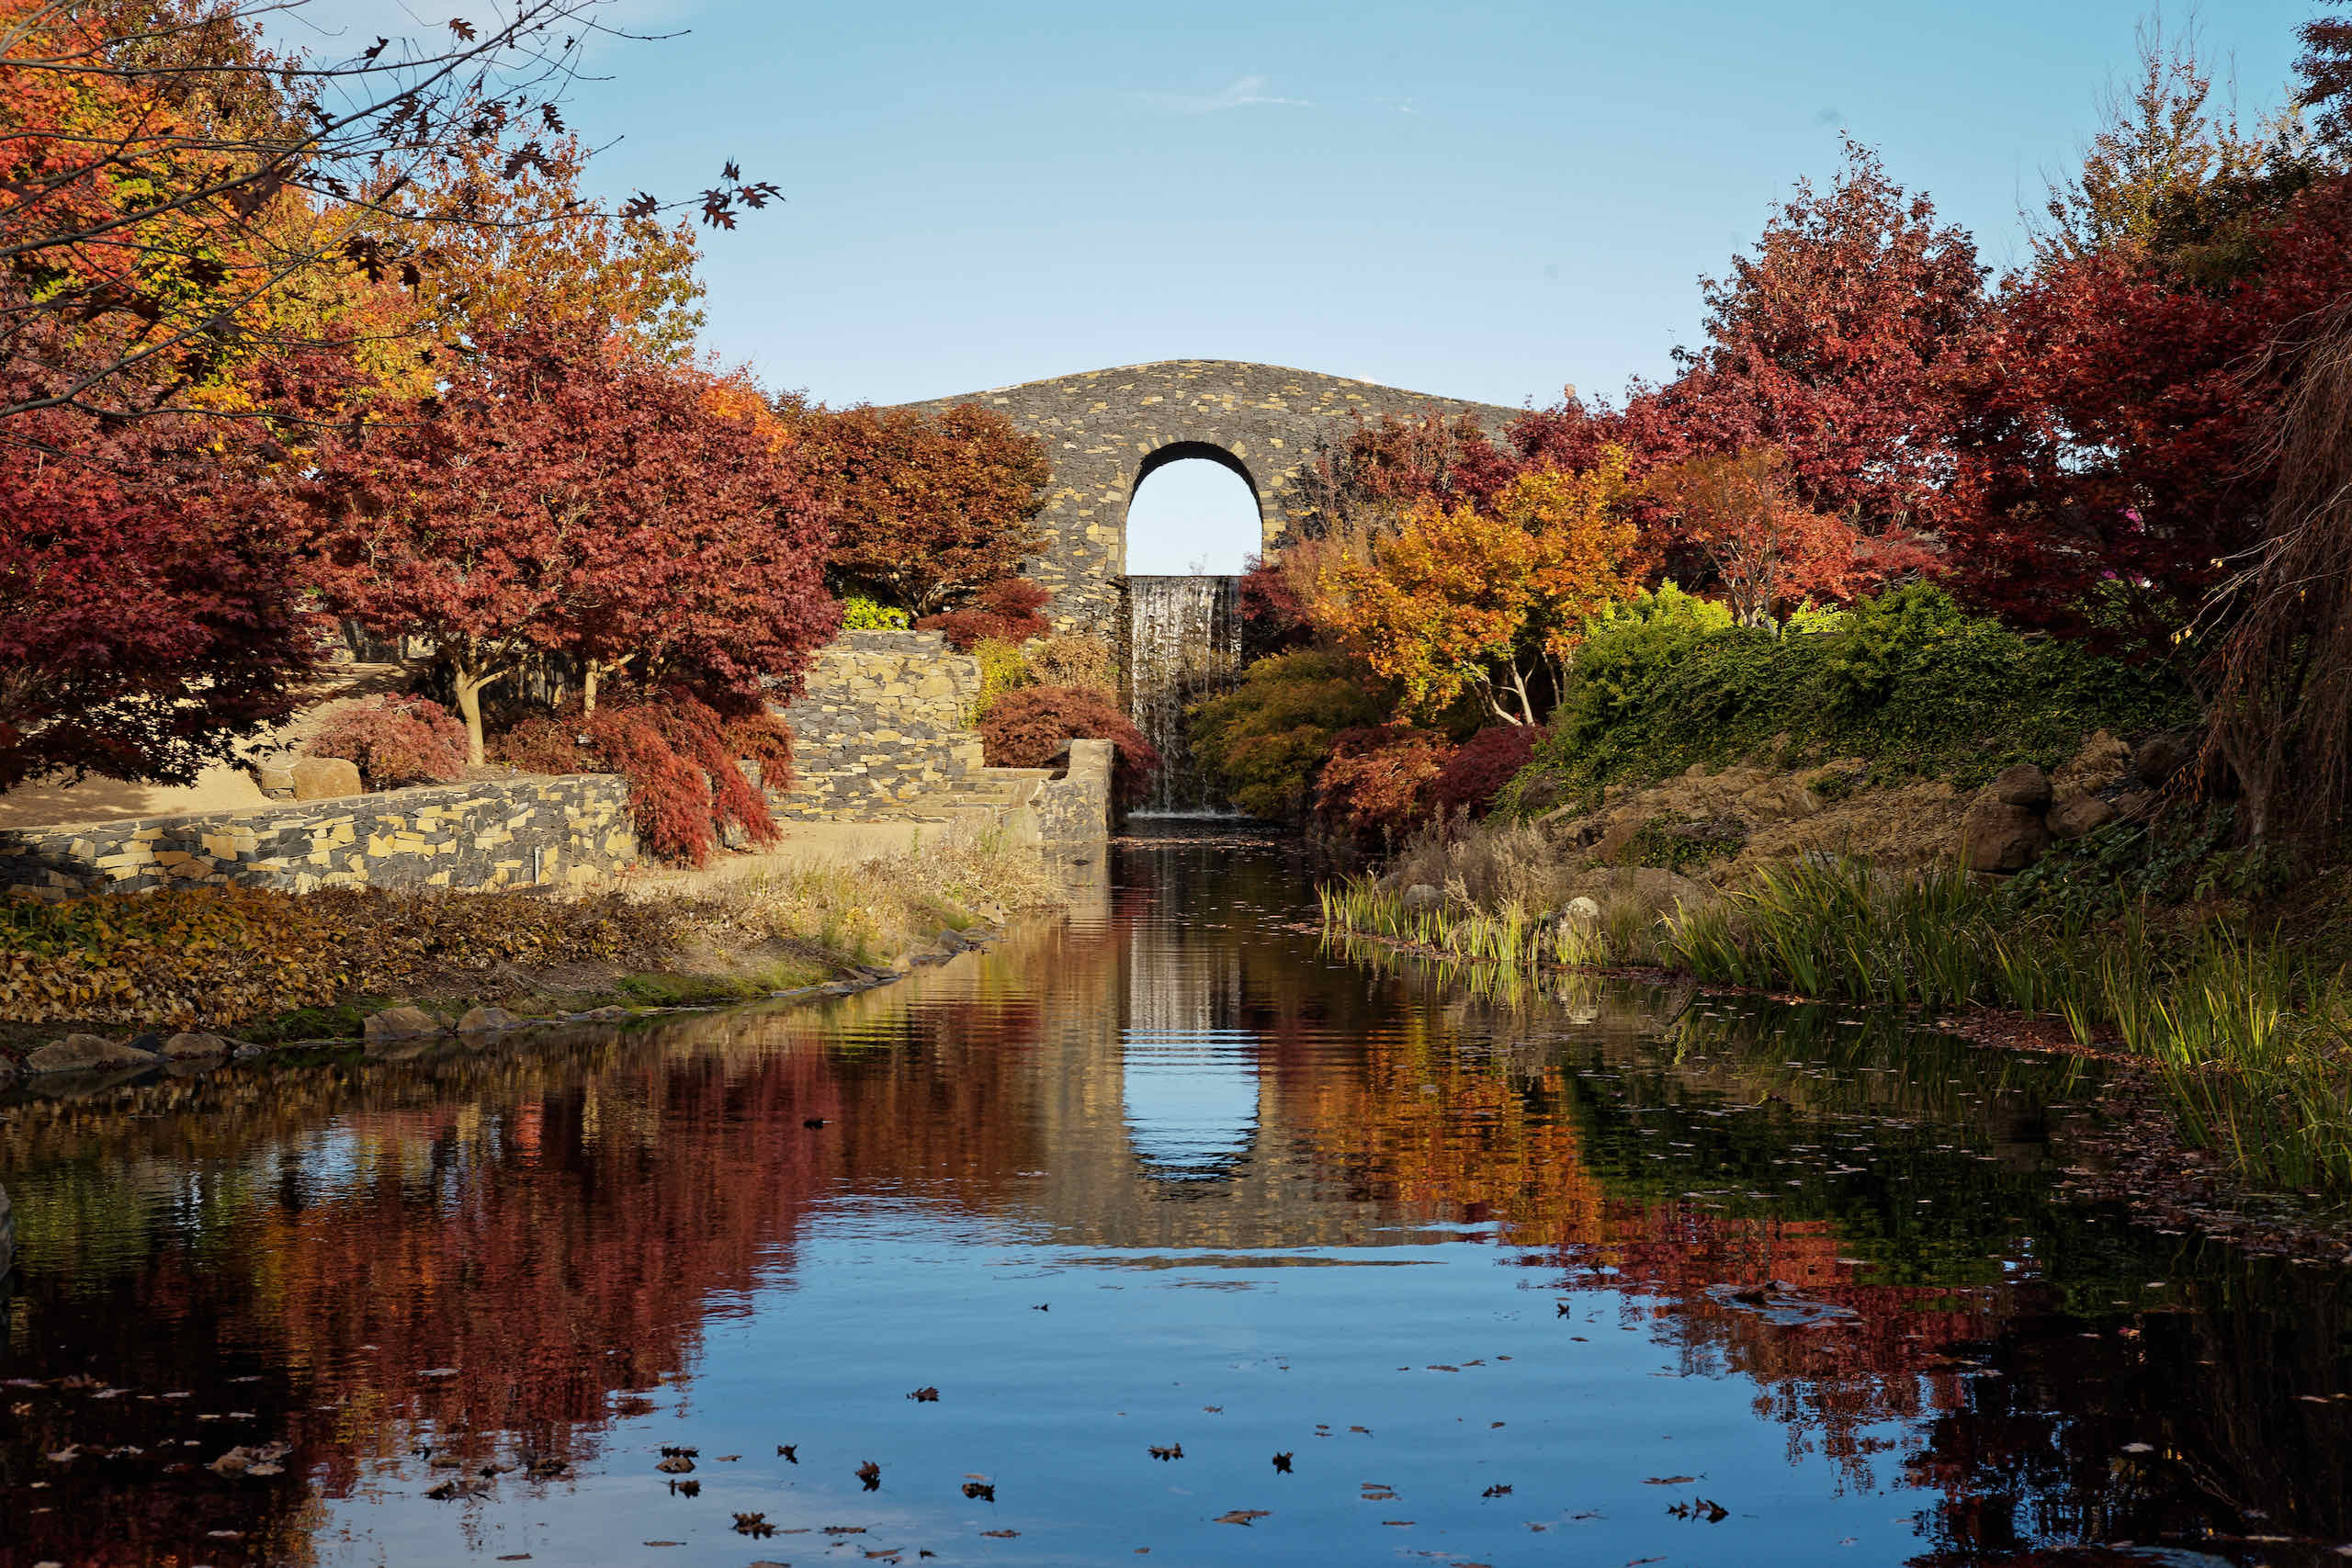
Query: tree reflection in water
column 500, row 1253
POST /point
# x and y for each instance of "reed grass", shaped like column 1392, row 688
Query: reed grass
column 2256, row 1048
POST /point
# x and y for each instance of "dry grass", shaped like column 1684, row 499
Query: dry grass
column 1486, row 866
column 880, row 909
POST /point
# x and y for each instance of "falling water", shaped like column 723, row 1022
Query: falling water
column 1183, row 646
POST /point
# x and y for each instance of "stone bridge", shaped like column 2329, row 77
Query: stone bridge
column 1106, row 431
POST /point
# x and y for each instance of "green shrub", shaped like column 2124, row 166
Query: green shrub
column 1912, row 686
column 1882, row 641
column 1628, row 646
column 860, row 614
column 1267, row 740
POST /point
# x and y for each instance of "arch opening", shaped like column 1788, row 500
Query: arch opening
column 1194, row 511
column 1193, row 520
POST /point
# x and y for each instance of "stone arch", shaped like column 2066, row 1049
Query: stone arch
column 1106, row 431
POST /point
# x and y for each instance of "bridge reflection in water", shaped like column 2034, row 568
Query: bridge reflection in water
column 580, row 1250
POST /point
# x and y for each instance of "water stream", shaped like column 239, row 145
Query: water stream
column 1183, row 646
column 1589, row 1274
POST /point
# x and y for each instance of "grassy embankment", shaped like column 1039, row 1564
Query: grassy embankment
column 272, row 966
column 2219, row 968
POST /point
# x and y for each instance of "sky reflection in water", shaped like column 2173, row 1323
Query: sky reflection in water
column 1167, row 1175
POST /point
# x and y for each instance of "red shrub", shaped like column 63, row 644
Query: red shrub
column 542, row 745
column 1006, row 609
column 1476, row 773
column 764, row 739
column 1024, row 728
column 679, row 757
column 396, row 740
column 1381, row 780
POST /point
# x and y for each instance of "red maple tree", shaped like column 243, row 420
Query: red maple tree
column 564, row 491
column 150, row 607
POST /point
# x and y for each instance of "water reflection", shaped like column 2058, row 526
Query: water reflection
column 1429, row 1232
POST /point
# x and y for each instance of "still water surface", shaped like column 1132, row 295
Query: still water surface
column 1493, row 1271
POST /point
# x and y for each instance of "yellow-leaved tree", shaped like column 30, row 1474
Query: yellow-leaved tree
column 1463, row 599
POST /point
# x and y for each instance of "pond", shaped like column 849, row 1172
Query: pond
column 1217, row 1247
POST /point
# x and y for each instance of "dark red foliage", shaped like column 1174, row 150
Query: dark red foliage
column 1028, row 728
column 2113, row 464
column 545, row 745
column 1387, row 464
column 1006, row 610
column 766, row 739
column 1474, row 774
column 1273, row 618
column 680, row 758
column 151, row 612
column 396, row 740
column 1382, row 780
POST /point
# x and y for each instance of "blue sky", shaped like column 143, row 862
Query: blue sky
column 1489, row 201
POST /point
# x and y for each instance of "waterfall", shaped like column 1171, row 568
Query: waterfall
column 1183, row 646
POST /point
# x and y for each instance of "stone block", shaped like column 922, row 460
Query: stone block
column 324, row 778
column 401, row 1023
column 1998, row 836
column 188, row 1043
column 2023, row 784
column 85, row 1051
column 2072, row 816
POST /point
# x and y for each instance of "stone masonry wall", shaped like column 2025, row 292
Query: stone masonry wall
column 881, row 721
column 1074, row 811
column 519, row 833
column 1105, row 431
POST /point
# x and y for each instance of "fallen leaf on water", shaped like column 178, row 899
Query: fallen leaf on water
column 1242, row 1516
column 871, row 1473
column 1365, row 1430
column 1173, row 1451
column 925, row 1396
column 1001, row 1535
column 1496, row 1490
column 1669, row 1481
column 665, row 1543
column 979, row 1491
column 1400, row 1524
column 1282, row 1463
column 784, row 1451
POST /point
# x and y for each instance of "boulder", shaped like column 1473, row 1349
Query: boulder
column 324, row 778
column 2072, row 815
column 2161, row 756
column 1421, row 897
column 2101, row 764
column 85, row 1051
column 275, row 780
column 187, row 1044
column 401, row 1023
column 605, row 1015
column 1998, row 836
column 486, row 1021
column 2023, row 784
column 1582, row 909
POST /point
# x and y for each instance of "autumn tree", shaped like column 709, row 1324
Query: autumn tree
column 151, row 612
column 170, row 175
column 1460, row 598
column 931, row 507
column 566, row 492
column 1763, row 549
column 1834, row 341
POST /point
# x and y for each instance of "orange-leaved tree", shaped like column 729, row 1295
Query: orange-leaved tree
column 932, row 507
column 1463, row 599
column 1766, row 549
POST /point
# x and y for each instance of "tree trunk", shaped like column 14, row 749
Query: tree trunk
column 469, row 710
column 588, row 687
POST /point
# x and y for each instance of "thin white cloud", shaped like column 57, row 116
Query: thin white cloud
column 1245, row 93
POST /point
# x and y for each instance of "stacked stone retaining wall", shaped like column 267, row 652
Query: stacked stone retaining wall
column 525, row 832
column 882, row 721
